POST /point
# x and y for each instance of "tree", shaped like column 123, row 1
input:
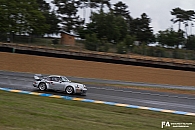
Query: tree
column 178, row 16
column 4, row 15
column 140, row 27
column 35, row 18
column 121, row 48
column 22, row 16
column 108, row 26
column 67, row 11
column 83, row 4
column 129, row 40
column 120, row 9
column 89, row 3
column 182, row 16
column 190, row 45
column 189, row 15
column 43, row 6
column 94, row 4
column 170, row 38
column 102, row 3
column 91, row 42
column 52, row 20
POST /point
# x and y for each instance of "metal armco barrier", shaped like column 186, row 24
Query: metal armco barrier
column 167, row 63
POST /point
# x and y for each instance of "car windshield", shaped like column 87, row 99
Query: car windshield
column 64, row 79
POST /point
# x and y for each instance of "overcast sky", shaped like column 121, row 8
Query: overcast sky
column 157, row 10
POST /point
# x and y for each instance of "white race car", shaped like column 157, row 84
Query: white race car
column 59, row 83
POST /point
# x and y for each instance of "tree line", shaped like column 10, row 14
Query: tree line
column 33, row 17
column 109, row 23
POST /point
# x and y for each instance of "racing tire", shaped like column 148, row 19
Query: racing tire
column 69, row 90
column 42, row 86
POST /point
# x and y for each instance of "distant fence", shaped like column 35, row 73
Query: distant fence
column 164, row 52
column 167, row 63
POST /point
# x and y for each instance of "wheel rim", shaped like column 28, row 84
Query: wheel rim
column 69, row 90
column 42, row 86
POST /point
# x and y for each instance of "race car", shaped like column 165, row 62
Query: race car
column 58, row 83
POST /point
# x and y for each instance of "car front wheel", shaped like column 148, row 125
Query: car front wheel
column 69, row 90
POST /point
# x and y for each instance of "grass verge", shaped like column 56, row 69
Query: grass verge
column 21, row 112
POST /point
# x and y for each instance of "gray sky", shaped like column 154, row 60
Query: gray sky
column 157, row 10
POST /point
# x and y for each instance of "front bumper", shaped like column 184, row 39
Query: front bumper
column 81, row 91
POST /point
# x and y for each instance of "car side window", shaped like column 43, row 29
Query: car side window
column 49, row 78
column 57, row 79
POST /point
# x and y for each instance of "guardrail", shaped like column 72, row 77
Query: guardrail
column 132, row 58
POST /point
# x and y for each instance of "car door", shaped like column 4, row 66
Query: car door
column 56, row 84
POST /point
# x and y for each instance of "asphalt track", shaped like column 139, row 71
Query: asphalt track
column 161, row 100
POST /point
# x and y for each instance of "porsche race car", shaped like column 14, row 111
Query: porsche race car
column 58, row 83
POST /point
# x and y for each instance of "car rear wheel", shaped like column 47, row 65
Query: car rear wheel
column 42, row 86
column 69, row 90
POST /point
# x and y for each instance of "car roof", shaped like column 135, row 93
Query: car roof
column 54, row 76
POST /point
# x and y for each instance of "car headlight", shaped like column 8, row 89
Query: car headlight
column 77, row 86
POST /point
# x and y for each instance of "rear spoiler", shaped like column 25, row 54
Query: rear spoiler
column 38, row 76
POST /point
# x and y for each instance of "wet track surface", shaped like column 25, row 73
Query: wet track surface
column 178, row 102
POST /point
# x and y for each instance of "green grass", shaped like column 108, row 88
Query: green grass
column 28, row 112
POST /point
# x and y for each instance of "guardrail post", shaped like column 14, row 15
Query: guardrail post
column 13, row 50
